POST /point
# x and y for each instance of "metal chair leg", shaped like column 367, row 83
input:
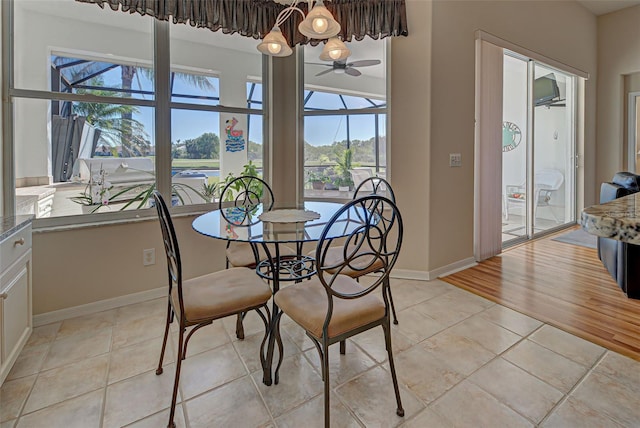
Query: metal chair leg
column 327, row 387
column 387, row 340
column 174, row 397
column 343, row 347
column 164, row 341
column 240, row 327
column 276, row 332
column 393, row 308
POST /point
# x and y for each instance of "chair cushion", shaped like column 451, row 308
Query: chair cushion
column 221, row 293
column 306, row 304
column 240, row 254
column 357, row 268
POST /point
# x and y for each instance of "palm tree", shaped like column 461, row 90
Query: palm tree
column 115, row 121
column 129, row 72
column 132, row 136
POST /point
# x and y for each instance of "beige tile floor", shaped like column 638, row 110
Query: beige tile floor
column 462, row 361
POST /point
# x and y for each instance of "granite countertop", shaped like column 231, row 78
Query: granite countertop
column 618, row 219
column 9, row 225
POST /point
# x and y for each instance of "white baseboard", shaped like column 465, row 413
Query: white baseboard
column 453, row 267
column 99, row 306
column 417, row 275
column 420, row 275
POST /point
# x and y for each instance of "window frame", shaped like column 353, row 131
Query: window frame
column 376, row 111
column 162, row 104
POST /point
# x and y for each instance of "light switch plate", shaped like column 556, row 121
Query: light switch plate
column 455, row 159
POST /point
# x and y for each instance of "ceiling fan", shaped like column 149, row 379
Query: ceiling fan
column 349, row 68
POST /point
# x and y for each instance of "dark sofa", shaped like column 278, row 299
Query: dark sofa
column 622, row 260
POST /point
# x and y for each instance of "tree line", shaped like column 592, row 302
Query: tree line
column 207, row 146
column 364, row 151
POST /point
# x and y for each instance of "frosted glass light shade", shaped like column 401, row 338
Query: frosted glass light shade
column 334, row 50
column 319, row 23
column 274, row 44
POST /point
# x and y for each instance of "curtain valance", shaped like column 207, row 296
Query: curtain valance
column 255, row 18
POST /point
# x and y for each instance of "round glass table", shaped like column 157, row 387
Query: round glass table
column 285, row 226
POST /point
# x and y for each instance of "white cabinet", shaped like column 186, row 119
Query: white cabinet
column 15, row 295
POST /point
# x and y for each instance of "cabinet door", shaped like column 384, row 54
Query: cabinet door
column 15, row 314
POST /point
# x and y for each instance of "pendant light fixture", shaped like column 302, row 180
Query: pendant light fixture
column 318, row 24
column 334, row 50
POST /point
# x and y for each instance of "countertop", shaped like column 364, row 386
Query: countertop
column 618, row 219
column 9, row 225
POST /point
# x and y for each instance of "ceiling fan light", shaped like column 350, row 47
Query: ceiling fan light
column 335, row 50
column 319, row 23
column 274, row 44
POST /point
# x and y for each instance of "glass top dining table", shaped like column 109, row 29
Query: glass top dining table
column 235, row 224
column 240, row 224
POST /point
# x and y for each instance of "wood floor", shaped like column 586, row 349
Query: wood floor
column 563, row 285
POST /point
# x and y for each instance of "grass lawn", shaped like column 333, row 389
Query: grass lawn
column 195, row 163
column 202, row 163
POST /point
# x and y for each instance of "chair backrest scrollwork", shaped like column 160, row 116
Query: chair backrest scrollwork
column 374, row 239
column 241, row 198
column 171, row 248
column 375, row 186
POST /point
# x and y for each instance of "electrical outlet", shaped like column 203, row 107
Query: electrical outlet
column 149, row 257
column 455, row 159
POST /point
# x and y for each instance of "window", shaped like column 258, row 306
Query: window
column 86, row 102
column 344, row 118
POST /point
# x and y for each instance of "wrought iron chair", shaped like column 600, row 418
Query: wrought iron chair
column 241, row 196
column 332, row 307
column 197, row 302
column 370, row 186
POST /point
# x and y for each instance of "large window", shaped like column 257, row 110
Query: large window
column 345, row 116
column 87, row 101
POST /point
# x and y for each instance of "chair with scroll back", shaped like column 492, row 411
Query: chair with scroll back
column 197, row 302
column 333, row 307
column 369, row 186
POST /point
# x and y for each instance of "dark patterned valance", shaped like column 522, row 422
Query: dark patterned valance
column 255, row 18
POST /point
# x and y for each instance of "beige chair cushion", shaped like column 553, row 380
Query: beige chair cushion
column 306, row 303
column 240, row 254
column 334, row 257
column 222, row 293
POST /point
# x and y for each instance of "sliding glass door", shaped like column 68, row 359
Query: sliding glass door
column 538, row 149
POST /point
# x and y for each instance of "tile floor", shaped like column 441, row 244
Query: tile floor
column 462, row 361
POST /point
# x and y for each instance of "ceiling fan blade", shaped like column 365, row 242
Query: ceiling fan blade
column 352, row 71
column 319, row 63
column 329, row 70
column 364, row 63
